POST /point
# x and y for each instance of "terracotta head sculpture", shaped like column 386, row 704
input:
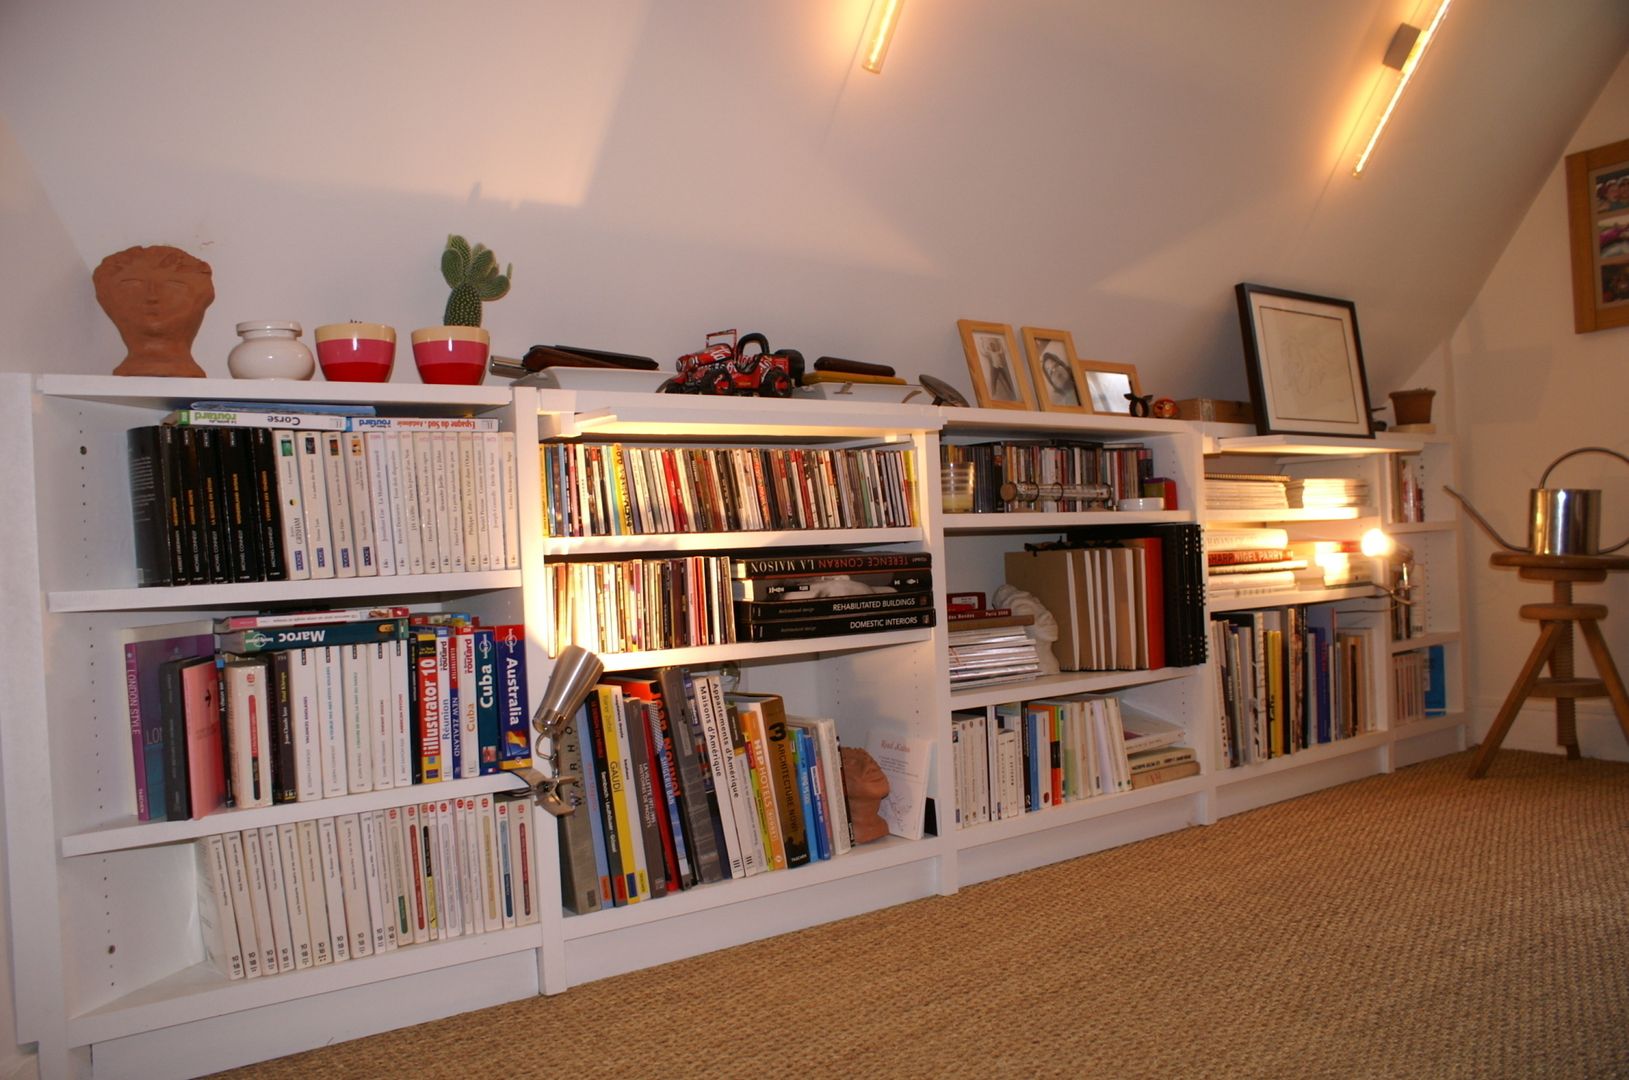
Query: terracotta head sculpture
column 865, row 785
column 156, row 297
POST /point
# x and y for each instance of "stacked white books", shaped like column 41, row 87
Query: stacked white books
column 1246, row 491
column 1326, row 493
column 994, row 655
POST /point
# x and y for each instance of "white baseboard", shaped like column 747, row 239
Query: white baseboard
column 1599, row 735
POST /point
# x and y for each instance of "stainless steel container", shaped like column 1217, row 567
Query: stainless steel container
column 1565, row 521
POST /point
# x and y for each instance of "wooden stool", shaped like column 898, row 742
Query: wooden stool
column 1554, row 646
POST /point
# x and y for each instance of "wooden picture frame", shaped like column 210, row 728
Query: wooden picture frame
column 1598, row 224
column 1107, row 384
column 1305, row 363
column 1059, row 386
column 999, row 380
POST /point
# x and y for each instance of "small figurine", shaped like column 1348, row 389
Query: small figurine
column 156, row 297
column 1043, row 631
column 1165, row 408
column 1140, row 403
column 865, row 785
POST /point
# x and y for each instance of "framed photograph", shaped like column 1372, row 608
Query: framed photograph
column 1305, row 363
column 1108, row 384
column 1598, row 217
column 1058, row 385
column 999, row 380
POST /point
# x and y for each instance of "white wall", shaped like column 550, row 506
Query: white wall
column 1528, row 389
column 656, row 171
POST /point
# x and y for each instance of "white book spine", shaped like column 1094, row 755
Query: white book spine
column 291, row 506
column 449, row 881
column 314, row 495
column 358, row 730
column 491, row 878
column 215, row 918
column 353, row 873
column 295, row 894
column 423, row 423
column 265, row 934
column 373, row 875
column 384, row 532
column 494, row 498
column 331, row 721
column 717, row 736
column 448, row 503
column 468, row 498
column 243, row 909
column 271, row 856
column 381, row 715
column 316, row 894
column 506, row 862
column 401, row 890
column 422, row 445
column 435, row 885
column 334, row 475
column 248, row 734
column 520, row 823
column 401, row 711
column 510, row 471
column 469, row 763
column 305, row 689
column 470, row 853
column 333, row 888
column 483, row 519
column 364, row 540
column 405, row 466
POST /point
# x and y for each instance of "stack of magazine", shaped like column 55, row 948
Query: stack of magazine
column 982, row 657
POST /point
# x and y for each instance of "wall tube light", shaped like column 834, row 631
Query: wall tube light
column 879, row 33
column 1405, row 52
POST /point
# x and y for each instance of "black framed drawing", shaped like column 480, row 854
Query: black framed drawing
column 1305, row 363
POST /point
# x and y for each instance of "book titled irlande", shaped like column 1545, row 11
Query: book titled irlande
column 833, row 562
column 305, row 637
column 834, row 626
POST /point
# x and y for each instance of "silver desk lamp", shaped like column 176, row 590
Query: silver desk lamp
column 576, row 670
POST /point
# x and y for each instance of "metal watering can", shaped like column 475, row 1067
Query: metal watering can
column 1561, row 521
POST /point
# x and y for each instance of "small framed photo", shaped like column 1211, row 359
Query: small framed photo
column 1305, row 363
column 999, row 380
column 1108, row 384
column 1598, row 218
column 1058, row 384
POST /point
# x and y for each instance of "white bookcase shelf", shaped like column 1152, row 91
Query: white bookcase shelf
column 104, row 929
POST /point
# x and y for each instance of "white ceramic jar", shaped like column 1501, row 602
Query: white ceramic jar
column 270, row 350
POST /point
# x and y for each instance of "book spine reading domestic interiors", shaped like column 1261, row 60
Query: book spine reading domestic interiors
column 767, row 582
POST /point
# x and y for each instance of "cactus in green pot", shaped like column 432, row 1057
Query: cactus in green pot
column 474, row 278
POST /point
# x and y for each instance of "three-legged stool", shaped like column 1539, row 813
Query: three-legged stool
column 1554, row 647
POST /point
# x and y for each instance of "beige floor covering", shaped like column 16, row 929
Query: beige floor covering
column 1410, row 925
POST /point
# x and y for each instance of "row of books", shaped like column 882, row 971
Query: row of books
column 1271, row 491
column 612, row 489
column 249, row 711
column 1108, row 601
column 684, row 785
column 1407, row 488
column 1029, row 756
column 1261, row 561
column 1419, row 684
column 637, row 605
column 214, row 503
column 310, row 893
column 989, row 650
column 1124, row 467
column 1292, row 677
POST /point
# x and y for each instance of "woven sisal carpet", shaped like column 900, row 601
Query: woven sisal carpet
column 1411, row 925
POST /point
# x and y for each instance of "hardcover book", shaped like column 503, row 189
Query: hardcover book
column 146, row 649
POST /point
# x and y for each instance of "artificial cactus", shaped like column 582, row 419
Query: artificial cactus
column 474, row 278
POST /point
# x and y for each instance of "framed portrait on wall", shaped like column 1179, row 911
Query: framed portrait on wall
column 999, row 380
column 1305, row 363
column 1598, row 219
column 1058, row 385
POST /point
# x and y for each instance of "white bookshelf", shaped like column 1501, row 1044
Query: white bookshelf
column 103, row 922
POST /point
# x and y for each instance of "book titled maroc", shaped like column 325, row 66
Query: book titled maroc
column 835, row 626
column 260, row 640
column 830, row 562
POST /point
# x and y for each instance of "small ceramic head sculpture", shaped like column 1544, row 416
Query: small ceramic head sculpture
column 156, row 297
column 865, row 785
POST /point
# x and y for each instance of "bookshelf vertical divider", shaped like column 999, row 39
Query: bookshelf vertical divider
column 103, row 935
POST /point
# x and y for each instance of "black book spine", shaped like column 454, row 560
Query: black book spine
column 151, row 451
column 644, row 789
column 212, row 502
column 836, row 562
column 280, row 711
column 192, row 511
column 815, row 586
column 225, row 720
column 242, row 507
column 837, row 606
column 857, row 624
column 420, row 647
column 173, row 717
column 268, row 507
